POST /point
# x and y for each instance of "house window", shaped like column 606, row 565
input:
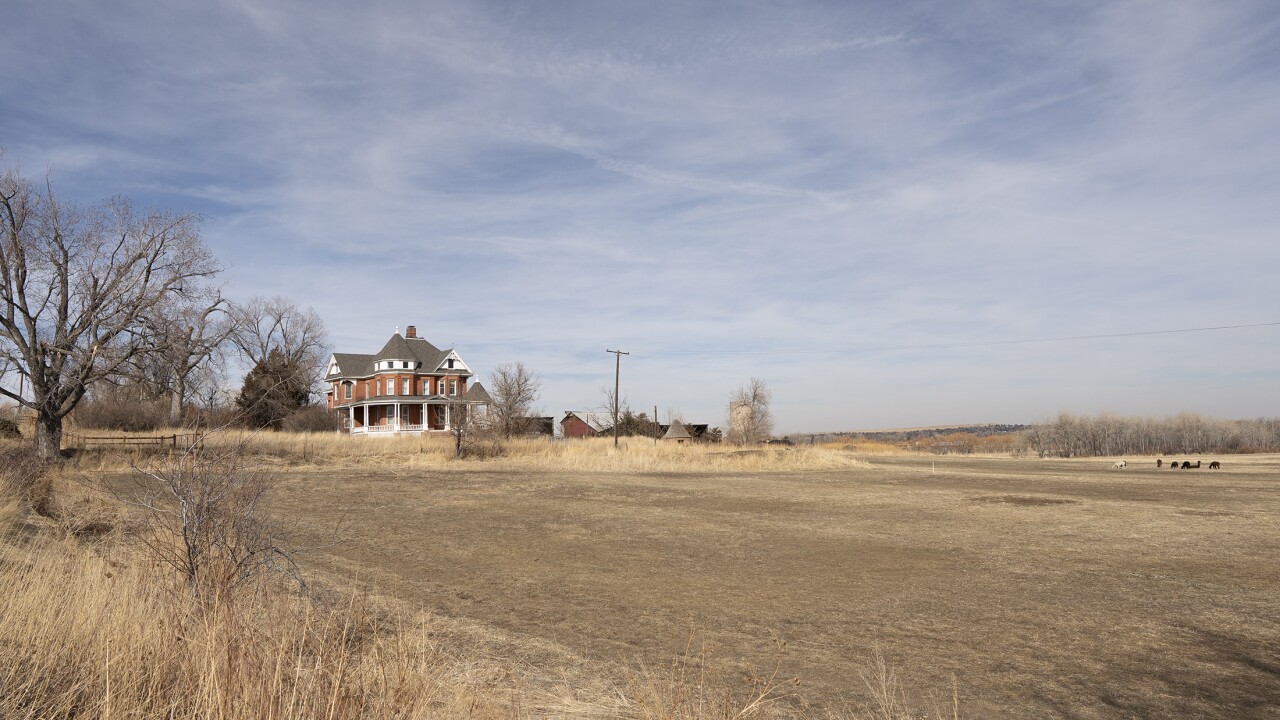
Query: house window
column 405, row 364
column 450, row 363
column 391, row 386
column 346, row 391
column 453, row 387
column 405, row 386
column 426, row 387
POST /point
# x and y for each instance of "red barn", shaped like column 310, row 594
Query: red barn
column 577, row 423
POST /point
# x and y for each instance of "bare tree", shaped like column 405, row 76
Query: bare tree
column 514, row 389
column 465, row 420
column 74, row 284
column 749, row 418
column 263, row 325
column 185, row 335
column 1070, row 435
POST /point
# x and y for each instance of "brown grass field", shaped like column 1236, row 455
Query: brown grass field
column 659, row 582
column 1041, row 588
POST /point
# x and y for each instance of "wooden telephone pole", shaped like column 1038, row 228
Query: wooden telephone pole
column 617, row 369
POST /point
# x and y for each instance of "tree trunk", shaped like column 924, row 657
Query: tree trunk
column 48, row 447
column 48, row 436
column 175, row 402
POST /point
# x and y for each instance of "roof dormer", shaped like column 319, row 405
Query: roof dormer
column 398, row 364
column 452, row 363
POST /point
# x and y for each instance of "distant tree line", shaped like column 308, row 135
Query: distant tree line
column 1071, row 435
column 916, row 434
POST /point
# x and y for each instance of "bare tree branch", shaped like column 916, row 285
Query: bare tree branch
column 75, row 285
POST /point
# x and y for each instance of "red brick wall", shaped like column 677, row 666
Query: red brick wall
column 573, row 426
column 376, row 387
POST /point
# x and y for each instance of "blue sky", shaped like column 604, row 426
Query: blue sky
column 784, row 190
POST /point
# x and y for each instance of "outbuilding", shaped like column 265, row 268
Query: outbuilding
column 677, row 434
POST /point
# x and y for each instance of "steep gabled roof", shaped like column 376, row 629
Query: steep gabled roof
column 677, row 432
column 477, row 393
column 428, row 357
column 397, row 348
column 353, row 364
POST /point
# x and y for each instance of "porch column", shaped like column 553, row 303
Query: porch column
column 425, row 425
column 398, row 423
column 446, row 416
column 351, row 418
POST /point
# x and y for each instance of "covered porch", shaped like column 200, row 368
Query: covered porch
column 396, row 417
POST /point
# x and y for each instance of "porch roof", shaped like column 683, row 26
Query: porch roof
column 403, row 400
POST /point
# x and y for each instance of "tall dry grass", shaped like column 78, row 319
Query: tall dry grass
column 83, row 635
column 420, row 451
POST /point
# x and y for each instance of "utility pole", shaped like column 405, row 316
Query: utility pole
column 617, row 369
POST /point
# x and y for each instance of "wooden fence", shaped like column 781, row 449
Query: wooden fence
column 133, row 442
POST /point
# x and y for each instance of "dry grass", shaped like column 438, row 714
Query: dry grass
column 435, row 452
column 84, row 635
column 1049, row 588
column 99, row 629
column 864, row 447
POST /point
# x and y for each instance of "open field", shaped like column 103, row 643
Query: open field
column 1048, row 588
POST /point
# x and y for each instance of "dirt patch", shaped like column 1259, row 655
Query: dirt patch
column 1024, row 500
column 1206, row 513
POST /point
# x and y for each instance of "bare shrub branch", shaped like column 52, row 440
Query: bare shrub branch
column 203, row 518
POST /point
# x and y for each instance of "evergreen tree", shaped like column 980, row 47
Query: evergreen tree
column 273, row 390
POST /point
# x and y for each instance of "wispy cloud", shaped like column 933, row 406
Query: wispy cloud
column 539, row 182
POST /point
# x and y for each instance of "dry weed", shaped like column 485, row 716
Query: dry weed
column 687, row 689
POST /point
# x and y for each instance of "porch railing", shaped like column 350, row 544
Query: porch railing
column 385, row 429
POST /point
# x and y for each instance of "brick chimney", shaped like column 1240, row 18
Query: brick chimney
column 411, row 332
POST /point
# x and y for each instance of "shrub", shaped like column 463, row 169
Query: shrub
column 23, row 476
column 122, row 413
column 9, row 429
column 313, row 419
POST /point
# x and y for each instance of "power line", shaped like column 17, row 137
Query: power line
column 979, row 343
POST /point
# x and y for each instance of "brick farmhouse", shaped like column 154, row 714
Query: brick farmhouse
column 408, row 387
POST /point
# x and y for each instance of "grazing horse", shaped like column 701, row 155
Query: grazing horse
column 1173, row 464
column 1159, row 462
column 1215, row 465
column 1119, row 465
column 1197, row 465
column 1186, row 464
